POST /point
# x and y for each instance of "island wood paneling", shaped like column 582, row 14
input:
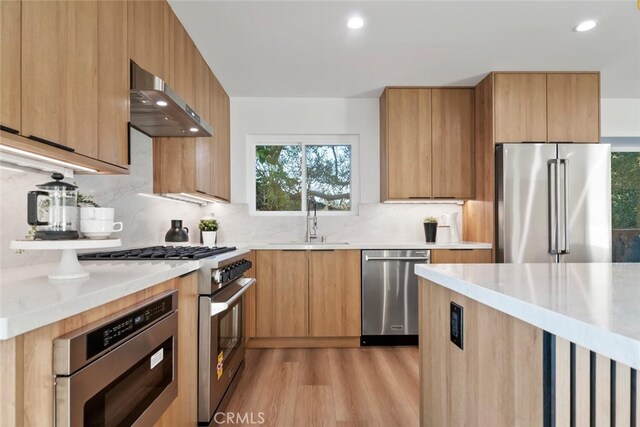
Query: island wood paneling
column 496, row 380
column 563, row 382
column 603, row 391
column 334, row 293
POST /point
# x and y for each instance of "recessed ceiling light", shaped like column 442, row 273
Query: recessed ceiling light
column 161, row 103
column 193, row 129
column 355, row 23
column 586, row 26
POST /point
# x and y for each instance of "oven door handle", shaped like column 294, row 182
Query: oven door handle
column 219, row 307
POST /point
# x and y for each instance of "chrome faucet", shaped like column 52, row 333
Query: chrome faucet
column 312, row 233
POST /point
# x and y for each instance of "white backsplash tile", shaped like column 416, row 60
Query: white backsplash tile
column 147, row 219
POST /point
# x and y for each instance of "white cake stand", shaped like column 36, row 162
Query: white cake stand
column 69, row 268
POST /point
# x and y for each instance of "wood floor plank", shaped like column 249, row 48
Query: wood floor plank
column 314, row 406
column 327, row 387
column 389, row 403
column 351, row 398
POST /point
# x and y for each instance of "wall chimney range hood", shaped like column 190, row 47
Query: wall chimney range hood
column 156, row 110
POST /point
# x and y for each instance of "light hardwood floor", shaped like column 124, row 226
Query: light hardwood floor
column 373, row 386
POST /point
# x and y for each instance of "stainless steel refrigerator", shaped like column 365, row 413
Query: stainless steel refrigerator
column 553, row 203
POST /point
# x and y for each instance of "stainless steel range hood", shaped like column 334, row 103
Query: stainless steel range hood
column 157, row 110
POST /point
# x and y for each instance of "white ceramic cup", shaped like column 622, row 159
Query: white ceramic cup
column 103, row 214
column 100, row 226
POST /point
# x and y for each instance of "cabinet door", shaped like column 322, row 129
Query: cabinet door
column 148, row 42
column 452, row 146
column 408, row 143
column 334, row 293
column 461, row 256
column 281, row 294
column 520, row 107
column 10, row 60
column 220, row 154
column 113, row 83
column 182, row 61
column 573, row 107
column 59, row 73
column 204, row 82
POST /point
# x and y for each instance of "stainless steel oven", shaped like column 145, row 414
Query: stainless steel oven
column 121, row 370
column 221, row 340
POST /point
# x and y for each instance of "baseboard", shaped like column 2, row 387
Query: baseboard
column 329, row 342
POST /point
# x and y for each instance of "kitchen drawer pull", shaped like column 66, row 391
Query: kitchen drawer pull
column 398, row 258
column 51, row 143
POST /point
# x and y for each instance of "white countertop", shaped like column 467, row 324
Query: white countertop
column 28, row 300
column 374, row 245
column 596, row 306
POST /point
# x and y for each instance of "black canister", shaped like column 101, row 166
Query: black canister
column 177, row 233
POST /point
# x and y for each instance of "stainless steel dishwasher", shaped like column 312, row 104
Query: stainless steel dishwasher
column 390, row 296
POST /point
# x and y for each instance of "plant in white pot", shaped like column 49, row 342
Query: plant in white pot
column 208, row 228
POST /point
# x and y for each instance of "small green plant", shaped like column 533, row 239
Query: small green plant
column 430, row 220
column 84, row 200
column 208, row 225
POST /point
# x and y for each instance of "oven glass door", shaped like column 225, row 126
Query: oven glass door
column 230, row 338
column 124, row 400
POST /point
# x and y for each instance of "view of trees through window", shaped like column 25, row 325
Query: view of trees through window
column 279, row 178
column 625, row 206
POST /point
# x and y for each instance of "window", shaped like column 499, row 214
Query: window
column 289, row 172
column 625, row 200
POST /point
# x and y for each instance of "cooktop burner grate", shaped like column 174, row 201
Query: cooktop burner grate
column 157, row 253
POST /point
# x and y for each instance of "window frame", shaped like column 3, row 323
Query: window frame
column 352, row 140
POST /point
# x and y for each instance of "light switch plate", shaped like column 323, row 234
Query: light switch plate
column 456, row 317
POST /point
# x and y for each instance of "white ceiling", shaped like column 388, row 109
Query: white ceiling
column 304, row 49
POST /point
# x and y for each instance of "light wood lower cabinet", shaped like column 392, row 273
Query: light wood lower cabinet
column 334, row 293
column 304, row 299
column 282, row 294
column 26, row 361
column 495, row 381
column 461, row 256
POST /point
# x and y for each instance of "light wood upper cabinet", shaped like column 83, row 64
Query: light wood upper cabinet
column 406, row 143
column 452, row 143
column 221, row 149
column 113, row 83
column 461, row 256
column 181, row 71
column 204, row 146
column 10, row 64
column 520, row 107
column 573, row 107
column 334, row 293
column 148, row 40
column 59, row 73
column 281, row 294
column 426, row 143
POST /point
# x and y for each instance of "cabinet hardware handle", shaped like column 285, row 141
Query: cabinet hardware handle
column 51, row 143
column 8, row 129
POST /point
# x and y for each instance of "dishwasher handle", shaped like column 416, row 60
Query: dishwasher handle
column 397, row 258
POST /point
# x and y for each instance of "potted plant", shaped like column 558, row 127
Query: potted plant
column 430, row 227
column 208, row 228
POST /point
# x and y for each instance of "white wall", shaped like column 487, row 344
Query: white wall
column 620, row 117
column 279, row 116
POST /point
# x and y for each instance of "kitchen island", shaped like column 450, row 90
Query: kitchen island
column 542, row 344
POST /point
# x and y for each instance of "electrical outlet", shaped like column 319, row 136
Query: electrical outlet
column 457, row 322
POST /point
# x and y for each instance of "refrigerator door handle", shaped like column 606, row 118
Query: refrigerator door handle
column 565, row 196
column 552, row 203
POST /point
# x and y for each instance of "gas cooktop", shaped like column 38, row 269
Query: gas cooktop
column 153, row 253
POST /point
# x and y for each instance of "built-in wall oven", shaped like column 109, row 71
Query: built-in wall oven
column 121, row 370
column 220, row 334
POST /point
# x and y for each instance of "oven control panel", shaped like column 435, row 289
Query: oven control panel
column 123, row 327
column 230, row 272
